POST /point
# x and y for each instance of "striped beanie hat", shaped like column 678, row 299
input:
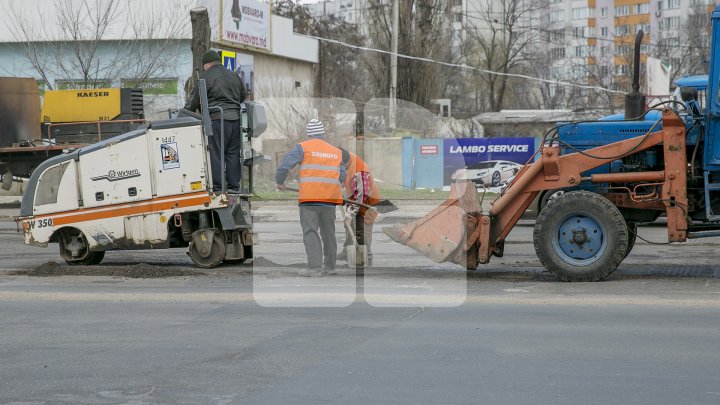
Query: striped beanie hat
column 315, row 128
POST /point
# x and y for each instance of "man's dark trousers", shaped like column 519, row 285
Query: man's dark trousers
column 318, row 226
column 233, row 142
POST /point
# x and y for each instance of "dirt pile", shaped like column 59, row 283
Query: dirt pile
column 140, row 270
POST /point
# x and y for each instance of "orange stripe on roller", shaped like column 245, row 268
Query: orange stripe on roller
column 131, row 210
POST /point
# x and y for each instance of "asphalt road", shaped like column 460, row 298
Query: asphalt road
column 410, row 331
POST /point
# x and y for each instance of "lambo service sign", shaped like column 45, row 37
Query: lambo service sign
column 464, row 152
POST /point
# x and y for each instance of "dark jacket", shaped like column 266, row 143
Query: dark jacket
column 225, row 90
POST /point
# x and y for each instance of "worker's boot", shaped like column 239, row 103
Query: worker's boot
column 310, row 272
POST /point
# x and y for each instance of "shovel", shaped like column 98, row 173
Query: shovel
column 357, row 255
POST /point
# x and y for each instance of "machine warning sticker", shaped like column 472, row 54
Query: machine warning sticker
column 196, row 185
column 170, row 156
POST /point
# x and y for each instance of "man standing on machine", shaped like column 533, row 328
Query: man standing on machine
column 224, row 90
column 320, row 177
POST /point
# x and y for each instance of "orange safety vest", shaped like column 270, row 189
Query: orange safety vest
column 356, row 165
column 320, row 173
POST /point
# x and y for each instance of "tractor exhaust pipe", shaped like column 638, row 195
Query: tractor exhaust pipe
column 635, row 101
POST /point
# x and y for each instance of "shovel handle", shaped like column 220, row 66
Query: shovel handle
column 345, row 200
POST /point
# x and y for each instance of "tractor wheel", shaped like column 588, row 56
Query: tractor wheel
column 495, row 179
column 632, row 235
column 75, row 251
column 581, row 237
column 548, row 197
column 214, row 258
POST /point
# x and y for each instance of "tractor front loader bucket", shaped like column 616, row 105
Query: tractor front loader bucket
column 448, row 233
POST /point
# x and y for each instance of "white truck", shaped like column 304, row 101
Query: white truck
column 146, row 189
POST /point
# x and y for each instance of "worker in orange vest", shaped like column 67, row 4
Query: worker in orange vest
column 321, row 176
column 361, row 187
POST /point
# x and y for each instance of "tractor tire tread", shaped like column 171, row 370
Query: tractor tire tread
column 618, row 235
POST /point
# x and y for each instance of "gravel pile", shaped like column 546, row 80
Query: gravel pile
column 140, row 270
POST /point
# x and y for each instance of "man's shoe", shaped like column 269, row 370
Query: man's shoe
column 330, row 272
column 310, row 272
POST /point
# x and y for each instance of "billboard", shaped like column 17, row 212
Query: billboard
column 245, row 22
column 463, row 152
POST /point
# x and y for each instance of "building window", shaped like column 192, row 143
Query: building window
column 603, row 12
column 557, row 53
column 642, row 8
column 670, row 23
column 557, row 15
column 580, row 13
column 671, row 4
column 622, row 11
column 604, row 31
column 557, row 72
column 621, row 70
column 621, row 30
column 622, row 49
column 556, row 35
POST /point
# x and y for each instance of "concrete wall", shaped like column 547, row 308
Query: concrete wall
column 383, row 155
column 278, row 77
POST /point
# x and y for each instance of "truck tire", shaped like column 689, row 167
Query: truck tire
column 582, row 236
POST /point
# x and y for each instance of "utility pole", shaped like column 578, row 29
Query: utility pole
column 393, row 62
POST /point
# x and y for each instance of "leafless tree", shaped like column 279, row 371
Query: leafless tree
column 499, row 38
column 70, row 39
column 424, row 32
column 686, row 50
column 338, row 73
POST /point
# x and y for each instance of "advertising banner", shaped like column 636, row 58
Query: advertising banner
column 479, row 159
column 246, row 22
column 152, row 86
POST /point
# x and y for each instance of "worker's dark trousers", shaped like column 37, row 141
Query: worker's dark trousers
column 318, row 227
column 363, row 232
column 232, row 154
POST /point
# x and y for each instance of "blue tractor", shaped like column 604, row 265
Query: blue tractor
column 613, row 174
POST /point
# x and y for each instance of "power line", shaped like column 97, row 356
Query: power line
column 463, row 66
column 565, row 30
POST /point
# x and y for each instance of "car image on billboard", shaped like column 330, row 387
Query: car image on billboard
column 491, row 173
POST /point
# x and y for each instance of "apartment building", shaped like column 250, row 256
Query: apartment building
column 591, row 41
column 350, row 11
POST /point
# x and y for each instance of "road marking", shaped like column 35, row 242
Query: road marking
column 398, row 299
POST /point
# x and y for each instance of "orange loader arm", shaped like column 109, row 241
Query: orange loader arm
column 458, row 231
